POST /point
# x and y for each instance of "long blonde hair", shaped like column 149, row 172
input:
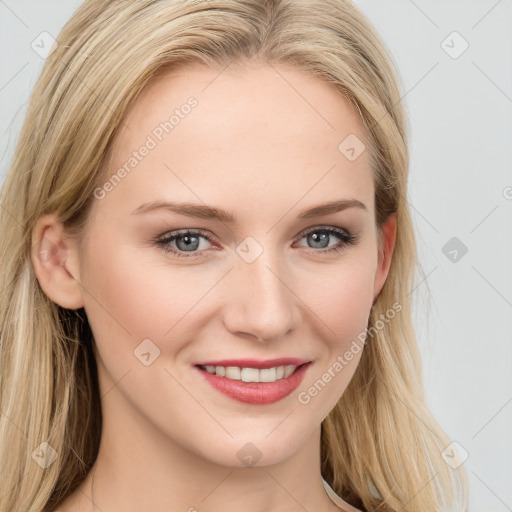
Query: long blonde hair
column 381, row 447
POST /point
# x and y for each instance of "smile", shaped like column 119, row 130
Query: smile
column 255, row 382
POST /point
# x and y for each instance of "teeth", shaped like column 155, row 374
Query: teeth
column 288, row 370
column 252, row 374
column 268, row 375
column 233, row 372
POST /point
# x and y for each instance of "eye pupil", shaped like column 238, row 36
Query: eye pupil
column 189, row 242
column 319, row 238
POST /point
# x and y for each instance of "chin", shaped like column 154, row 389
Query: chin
column 259, row 449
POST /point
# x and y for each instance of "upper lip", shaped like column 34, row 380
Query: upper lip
column 255, row 363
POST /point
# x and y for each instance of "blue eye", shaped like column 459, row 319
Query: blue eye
column 188, row 242
column 320, row 236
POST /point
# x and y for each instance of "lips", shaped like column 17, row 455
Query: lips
column 252, row 381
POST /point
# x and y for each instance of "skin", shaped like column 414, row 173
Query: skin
column 265, row 151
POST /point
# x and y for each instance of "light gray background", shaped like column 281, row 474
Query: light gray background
column 461, row 128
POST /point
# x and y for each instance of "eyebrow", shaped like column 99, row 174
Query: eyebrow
column 210, row 212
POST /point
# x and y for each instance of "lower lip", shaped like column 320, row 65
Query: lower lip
column 258, row 393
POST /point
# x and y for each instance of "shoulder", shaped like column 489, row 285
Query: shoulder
column 346, row 507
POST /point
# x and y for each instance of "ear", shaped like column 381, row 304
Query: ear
column 385, row 254
column 55, row 261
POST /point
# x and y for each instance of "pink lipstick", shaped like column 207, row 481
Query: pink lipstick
column 253, row 381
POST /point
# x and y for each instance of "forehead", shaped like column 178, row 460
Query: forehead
column 254, row 131
column 270, row 95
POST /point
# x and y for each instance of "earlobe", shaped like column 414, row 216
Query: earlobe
column 55, row 261
column 385, row 254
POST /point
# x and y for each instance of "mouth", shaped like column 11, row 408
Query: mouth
column 255, row 382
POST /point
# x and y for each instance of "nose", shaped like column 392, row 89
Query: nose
column 260, row 300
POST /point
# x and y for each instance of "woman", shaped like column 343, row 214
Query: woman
column 207, row 306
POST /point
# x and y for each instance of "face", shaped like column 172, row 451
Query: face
column 240, row 275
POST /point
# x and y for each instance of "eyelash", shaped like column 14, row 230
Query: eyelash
column 347, row 239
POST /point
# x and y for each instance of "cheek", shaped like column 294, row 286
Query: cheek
column 341, row 304
column 126, row 302
column 135, row 294
column 341, row 297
